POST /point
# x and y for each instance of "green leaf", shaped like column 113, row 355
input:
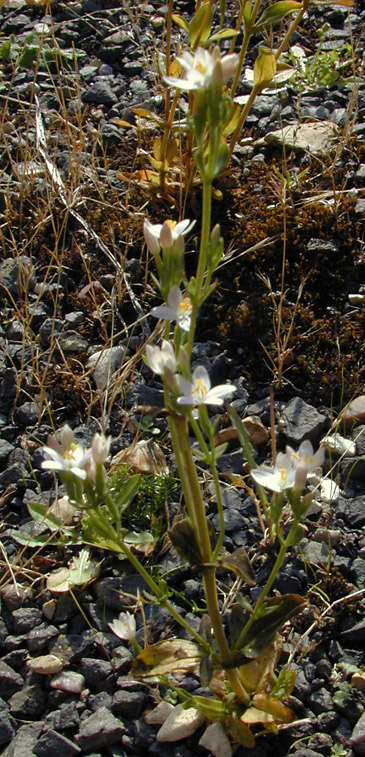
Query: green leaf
column 83, row 570
column 180, row 22
column 241, row 733
column 276, row 12
column 274, row 612
column 127, row 492
column 224, row 34
column 220, row 450
column 167, row 657
column 200, row 26
column 239, row 563
column 28, row 56
column 264, row 68
column 141, row 537
column 5, row 50
column 183, row 538
column 26, row 540
column 39, row 513
column 284, row 684
column 206, row 671
column 237, row 619
column 222, row 157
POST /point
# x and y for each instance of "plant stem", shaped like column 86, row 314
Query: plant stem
column 276, row 567
column 191, row 485
column 164, row 601
column 243, row 51
column 292, row 28
column 204, row 240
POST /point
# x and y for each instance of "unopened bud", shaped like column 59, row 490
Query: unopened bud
column 300, row 477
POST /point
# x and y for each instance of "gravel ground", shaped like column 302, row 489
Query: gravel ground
column 94, row 707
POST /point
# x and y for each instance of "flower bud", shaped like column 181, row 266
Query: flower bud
column 100, row 448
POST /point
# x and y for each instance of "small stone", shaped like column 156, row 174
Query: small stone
column 28, row 703
column 10, row 681
column 24, row 741
column 354, row 412
column 215, row 741
column 329, row 491
column 338, row 445
column 101, row 729
column 27, row 414
column 358, row 681
column 47, row 664
column 318, row 138
column 299, row 421
column 357, row 740
column 49, row 608
column 13, row 596
column 39, row 638
column 25, row 619
column 72, row 342
column 327, row 535
column 95, row 671
column 100, row 93
column 159, row 714
column 104, row 363
column 129, row 704
column 180, row 724
column 69, row 681
column 6, row 727
column 53, row 744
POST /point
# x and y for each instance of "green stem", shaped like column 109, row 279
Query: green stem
column 210, row 589
column 292, row 28
column 243, row 51
column 210, row 459
column 191, row 484
column 275, row 569
column 204, row 240
column 164, row 601
column 255, row 91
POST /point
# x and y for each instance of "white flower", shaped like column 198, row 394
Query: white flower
column 100, row 447
column 72, row 460
column 179, row 309
column 306, row 457
column 124, row 627
column 199, row 392
column 166, row 235
column 276, row 478
column 62, row 440
column 161, row 359
column 203, row 69
column 291, row 468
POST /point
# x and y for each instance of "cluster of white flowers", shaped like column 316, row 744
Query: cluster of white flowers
column 198, row 391
column 66, row 455
column 291, row 468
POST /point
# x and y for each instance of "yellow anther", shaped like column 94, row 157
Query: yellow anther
column 200, row 390
column 185, row 306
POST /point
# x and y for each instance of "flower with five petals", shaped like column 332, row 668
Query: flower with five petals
column 199, row 390
column 203, row 69
column 178, row 309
